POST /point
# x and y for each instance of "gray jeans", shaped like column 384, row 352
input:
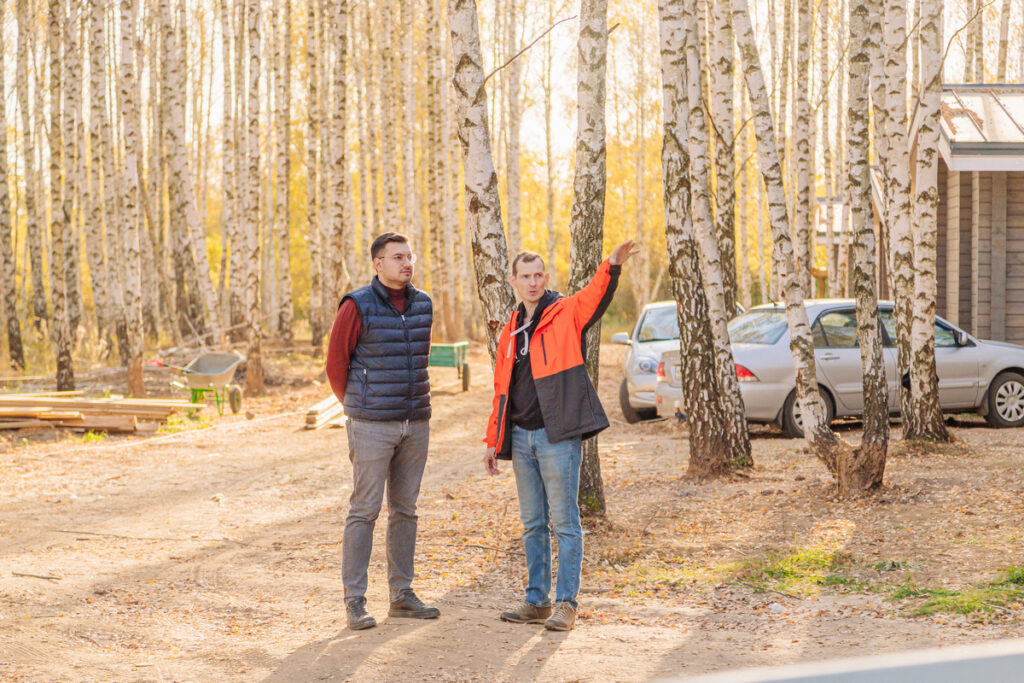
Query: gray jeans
column 392, row 452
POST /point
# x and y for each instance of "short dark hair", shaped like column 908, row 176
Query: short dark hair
column 379, row 244
column 526, row 257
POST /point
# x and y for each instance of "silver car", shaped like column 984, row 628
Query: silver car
column 656, row 331
column 975, row 375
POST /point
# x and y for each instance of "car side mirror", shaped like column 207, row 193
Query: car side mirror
column 620, row 338
column 961, row 338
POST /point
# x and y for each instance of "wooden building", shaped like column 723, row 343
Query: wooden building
column 981, row 210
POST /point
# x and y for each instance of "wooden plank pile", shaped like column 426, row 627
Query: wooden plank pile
column 71, row 410
column 327, row 413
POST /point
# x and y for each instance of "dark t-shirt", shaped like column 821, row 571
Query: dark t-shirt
column 524, row 407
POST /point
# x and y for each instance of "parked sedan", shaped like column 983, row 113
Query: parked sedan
column 975, row 375
column 656, row 331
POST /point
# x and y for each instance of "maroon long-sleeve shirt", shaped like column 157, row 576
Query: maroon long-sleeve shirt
column 344, row 337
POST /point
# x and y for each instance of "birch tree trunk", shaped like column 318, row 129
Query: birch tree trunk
column 367, row 148
column 131, row 215
column 8, row 282
column 60, row 329
column 229, row 202
column 549, row 162
column 823, row 442
column 708, row 247
column 894, row 158
column 721, row 67
column 100, row 183
column 1004, row 43
column 71, row 114
column 339, row 281
column 802, row 151
column 865, row 469
column 824, row 74
column 284, row 172
column 387, row 41
column 703, row 411
column 237, row 284
column 437, row 175
column 254, row 362
column 483, row 206
column 34, row 198
column 181, row 185
column 924, row 395
column 513, row 78
column 587, row 223
column 413, row 222
column 314, row 201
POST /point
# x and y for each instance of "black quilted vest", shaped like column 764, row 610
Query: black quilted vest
column 387, row 374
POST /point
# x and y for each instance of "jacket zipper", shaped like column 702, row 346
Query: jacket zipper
column 543, row 350
column 365, row 380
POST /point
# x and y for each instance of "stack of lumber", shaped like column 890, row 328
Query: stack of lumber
column 70, row 409
column 327, row 413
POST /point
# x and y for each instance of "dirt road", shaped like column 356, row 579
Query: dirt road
column 215, row 555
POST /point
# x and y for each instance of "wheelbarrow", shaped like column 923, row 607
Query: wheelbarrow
column 211, row 373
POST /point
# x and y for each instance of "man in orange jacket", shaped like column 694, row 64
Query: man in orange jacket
column 544, row 406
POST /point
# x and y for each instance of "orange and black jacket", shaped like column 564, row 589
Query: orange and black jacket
column 567, row 398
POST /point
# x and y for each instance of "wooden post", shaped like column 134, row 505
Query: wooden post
column 953, row 247
column 998, row 311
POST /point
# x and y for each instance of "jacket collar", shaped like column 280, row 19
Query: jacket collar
column 381, row 291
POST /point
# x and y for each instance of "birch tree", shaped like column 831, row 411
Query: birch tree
column 313, row 199
column 707, row 423
column 338, row 277
column 33, row 184
column 587, row 226
column 721, row 96
column 802, row 150
column 866, row 467
column 822, row 440
column 284, row 172
column 928, row 422
column 483, row 206
column 707, row 239
column 254, row 361
column 7, row 266
column 130, row 199
column 513, row 79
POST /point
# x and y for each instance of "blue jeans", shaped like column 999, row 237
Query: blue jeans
column 548, row 482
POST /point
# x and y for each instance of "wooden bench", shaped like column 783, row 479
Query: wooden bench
column 451, row 356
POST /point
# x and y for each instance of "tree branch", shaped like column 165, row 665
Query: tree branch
column 532, row 43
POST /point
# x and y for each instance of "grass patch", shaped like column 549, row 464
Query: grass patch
column 803, row 571
column 978, row 602
column 181, row 422
column 93, row 436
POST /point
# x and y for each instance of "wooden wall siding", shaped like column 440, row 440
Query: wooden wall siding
column 1015, row 258
column 940, row 241
column 980, row 273
column 950, row 229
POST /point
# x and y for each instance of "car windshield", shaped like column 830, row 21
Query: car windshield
column 758, row 326
column 659, row 324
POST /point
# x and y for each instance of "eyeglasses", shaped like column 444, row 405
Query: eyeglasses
column 399, row 259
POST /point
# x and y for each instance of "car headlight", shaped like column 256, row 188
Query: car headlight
column 645, row 366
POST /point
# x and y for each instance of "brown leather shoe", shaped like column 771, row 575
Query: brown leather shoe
column 563, row 618
column 527, row 614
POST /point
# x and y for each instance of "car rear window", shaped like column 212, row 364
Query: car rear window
column 758, row 326
column 659, row 324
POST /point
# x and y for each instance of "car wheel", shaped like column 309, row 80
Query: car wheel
column 792, row 420
column 1006, row 400
column 633, row 415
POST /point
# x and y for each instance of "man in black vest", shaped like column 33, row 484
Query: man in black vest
column 377, row 365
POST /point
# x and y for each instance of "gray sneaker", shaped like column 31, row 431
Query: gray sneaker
column 563, row 618
column 527, row 614
column 409, row 606
column 358, row 617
